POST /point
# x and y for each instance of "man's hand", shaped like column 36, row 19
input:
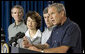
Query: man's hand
column 34, row 48
column 41, row 46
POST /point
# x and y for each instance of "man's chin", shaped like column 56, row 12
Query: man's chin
column 48, row 26
column 18, row 20
column 54, row 23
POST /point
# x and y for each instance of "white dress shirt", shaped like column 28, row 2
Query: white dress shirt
column 46, row 34
column 36, row 39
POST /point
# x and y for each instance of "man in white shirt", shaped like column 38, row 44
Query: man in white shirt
column 47, row 32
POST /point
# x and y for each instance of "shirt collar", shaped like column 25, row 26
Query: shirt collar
column 38, row 34
column 19, row 23
column 50, row 28
column 65, row 23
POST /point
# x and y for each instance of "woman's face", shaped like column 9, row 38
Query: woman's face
column 31, row 23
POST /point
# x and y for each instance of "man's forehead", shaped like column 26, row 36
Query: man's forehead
column 51, row 9
column 45, row 14
column 14, row 9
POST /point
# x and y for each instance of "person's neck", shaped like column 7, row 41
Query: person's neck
column 17, row 22
column 63, row 20
column 50, row 27
column 32, row 32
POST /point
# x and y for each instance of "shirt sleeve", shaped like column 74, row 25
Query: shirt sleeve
column 9, row 38
column 72, row 36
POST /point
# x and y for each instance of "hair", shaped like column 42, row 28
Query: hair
column 45, row 10
column 60, row 7
column 35, row 16
column 19, row 7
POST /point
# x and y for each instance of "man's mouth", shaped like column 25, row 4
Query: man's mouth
column 30, row 26
column 53, row 20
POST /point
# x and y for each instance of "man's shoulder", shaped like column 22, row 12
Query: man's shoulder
column 70, row 23
column 74, row 24
column 11, row 25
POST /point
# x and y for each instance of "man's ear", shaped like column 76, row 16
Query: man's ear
column 62, row 13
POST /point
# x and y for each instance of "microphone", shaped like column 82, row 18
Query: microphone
column 16, row 37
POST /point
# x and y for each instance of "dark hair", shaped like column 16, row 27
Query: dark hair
column 45, row 10
column 35, row 16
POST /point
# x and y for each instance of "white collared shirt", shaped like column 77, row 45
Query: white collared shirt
column 36, row 39
column 46, row 34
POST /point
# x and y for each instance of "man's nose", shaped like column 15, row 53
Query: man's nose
column 17, row 14
column 51, row 17
column 30, row 23
column 46, row 19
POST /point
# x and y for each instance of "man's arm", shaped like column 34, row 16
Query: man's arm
column 41, row 46
column 61, row 49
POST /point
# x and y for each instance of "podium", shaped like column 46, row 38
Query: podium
column 5, row 48
column 21, row 50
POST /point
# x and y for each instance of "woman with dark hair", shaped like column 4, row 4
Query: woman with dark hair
column 33, row 34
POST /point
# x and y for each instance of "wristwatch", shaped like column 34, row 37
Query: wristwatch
column 42, row 51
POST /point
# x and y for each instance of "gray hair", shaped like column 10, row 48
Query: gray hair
column 19, row 7
column 60, row 7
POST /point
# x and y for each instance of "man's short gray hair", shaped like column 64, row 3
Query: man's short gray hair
column 60, row 7
column 19, row 7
